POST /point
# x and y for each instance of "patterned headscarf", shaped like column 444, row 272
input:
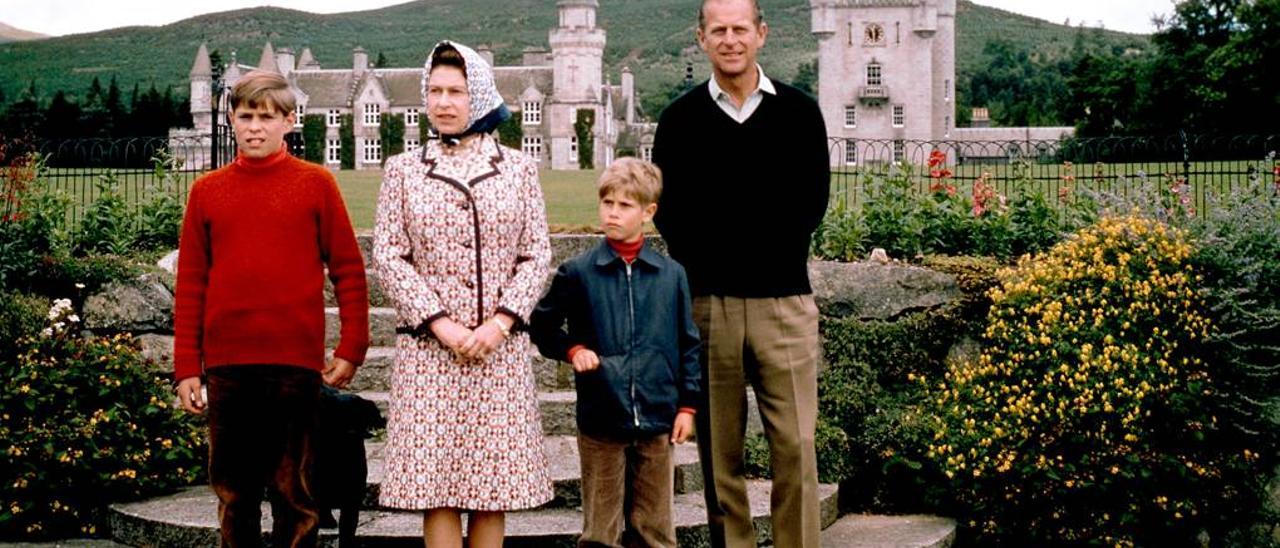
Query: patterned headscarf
column 487, row 108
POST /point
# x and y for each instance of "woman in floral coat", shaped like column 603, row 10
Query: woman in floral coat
column 462, row 250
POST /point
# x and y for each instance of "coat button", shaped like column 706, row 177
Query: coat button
column 466, row 244
column 466, row 205
column 470, row 284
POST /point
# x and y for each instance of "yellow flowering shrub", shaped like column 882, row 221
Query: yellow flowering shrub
column 84, row 422
column 1086, row 418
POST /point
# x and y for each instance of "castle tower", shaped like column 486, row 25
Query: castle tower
column 886, row 71
column 201, row 85
column 577, row 53
column 268, row 60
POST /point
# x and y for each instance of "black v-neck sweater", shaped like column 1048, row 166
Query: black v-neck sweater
column 740, row 202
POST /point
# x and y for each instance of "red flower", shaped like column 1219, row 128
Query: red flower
column 937, row 158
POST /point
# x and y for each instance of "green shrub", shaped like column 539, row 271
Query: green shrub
column 107, row 226
column 21, row 316
column 85, row 422
column 1087, row 417
column 841, row 235
column 890, row 213
column 159, row 218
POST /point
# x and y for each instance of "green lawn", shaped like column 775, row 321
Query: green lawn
column 570, row 197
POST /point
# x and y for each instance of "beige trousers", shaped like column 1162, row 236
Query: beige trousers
column 771, row 344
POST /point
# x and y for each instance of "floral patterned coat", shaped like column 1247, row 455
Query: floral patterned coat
column 462, row 235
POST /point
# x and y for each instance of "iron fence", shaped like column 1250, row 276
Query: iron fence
column 1118, row 165
column 83, row 169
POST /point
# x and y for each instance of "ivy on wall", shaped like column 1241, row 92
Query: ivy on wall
column 313, row 138
column 392, row 134
column 347, row 134
column 586, row 120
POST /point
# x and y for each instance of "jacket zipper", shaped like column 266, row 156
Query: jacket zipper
column 631, row 309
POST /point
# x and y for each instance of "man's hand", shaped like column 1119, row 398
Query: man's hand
column 451, row 333
column 338, row 373
column 683, row 427
column 190, row 395
column 484, row 340
column 585, row 361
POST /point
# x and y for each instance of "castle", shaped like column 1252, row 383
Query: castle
column 886, row 78
column 886, row 74
column 545, row 92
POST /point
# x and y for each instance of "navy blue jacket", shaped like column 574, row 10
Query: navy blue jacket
column 639, row 320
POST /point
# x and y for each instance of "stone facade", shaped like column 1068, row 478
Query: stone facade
column 886, row 76
column 545, row 92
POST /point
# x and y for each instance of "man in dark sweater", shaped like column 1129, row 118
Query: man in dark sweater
column 747, row 181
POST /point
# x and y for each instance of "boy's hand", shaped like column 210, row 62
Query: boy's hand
column 451, row 333
column 683, row 427
column 190, row 395
column 338, row 373
column 585, row 360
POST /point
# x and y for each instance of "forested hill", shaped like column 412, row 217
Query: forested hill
column 653, row 37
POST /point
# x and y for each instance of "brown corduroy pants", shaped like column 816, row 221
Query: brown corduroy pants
column 770, row 344
column 627, row 492
column 261, row 422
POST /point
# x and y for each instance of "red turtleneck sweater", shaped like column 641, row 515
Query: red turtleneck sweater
column 256, row 239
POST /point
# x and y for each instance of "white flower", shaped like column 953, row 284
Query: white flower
column 46, row 332
column 73, row 318
column 79, row 286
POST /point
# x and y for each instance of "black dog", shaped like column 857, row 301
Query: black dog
column 339, row 465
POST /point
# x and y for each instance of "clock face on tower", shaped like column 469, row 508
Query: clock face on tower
column 873, row 34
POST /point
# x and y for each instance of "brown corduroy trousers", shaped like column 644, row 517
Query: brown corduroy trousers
column 261, row 422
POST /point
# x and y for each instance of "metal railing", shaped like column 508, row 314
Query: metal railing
column 1117, row 165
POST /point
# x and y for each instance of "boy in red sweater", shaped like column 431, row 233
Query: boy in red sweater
column 249, row 315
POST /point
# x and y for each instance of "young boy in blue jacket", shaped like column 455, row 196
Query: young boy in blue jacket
column 634, row 348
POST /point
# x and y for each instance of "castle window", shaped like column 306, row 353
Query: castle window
column 850, row 116
column 411, row 117
column 573, row 147
column 299, row 113
column 532, row 112
column 532, row 146
column 333, row 151
column 411, row 144
column 873, row 75
column 850, row 152
column 646, row 153
column 372, row 114
column 372, row 150
column 946, row 90
column 899, row 150
column 899, row 116
column 333, row 118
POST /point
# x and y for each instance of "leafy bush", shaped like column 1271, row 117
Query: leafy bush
column 85, row 422
column 107, row 226
column 1087, row 417
column 20, row 316
column 159, row 218
column 944, row 220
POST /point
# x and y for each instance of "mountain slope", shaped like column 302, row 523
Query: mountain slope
column 653, row 37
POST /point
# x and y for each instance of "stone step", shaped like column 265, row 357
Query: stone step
column 557, row 409
column 377, row 297
column 566, row 470
column 382, row 326
column 375, row 374
column 870, row 531
column 559, row 414
column 188, row 518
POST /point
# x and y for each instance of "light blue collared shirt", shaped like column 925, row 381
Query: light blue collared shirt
column 722, row 98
